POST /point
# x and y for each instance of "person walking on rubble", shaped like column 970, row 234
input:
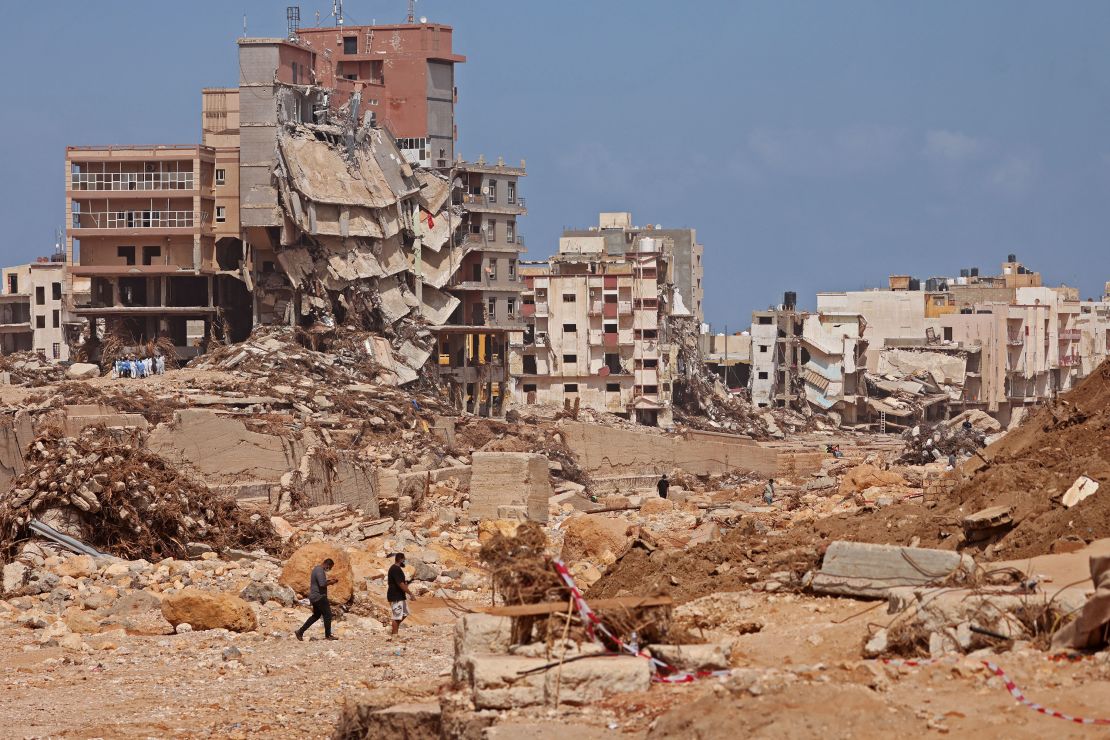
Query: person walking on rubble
column 662, row 486
column 318, row 596
column 397, row 592
column 769, row 492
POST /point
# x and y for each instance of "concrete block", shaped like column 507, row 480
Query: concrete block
column 871, row 571
column 480, row 634
column 501, row 479
column 496, row 683
column 594, row 679
column 710, row 657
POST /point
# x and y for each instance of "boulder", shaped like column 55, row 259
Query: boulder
column 712, row 657
column 206, row 610
column 15, row 575
column 487, row 528
column 865, row 476
column 595, row 537
column 298, row 569
column 656, row 506
column 134, row 603
column 82, row 370
column 78, row 566
column 262, row 592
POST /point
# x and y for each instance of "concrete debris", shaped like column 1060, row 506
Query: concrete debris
column 871, row 571
column 1082, row 489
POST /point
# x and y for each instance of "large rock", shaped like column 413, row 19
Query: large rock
column 77, row 566
column 298, row 569
column 595, row 537
column 15, row 575
column 206, row 610
column 497, row 681
column 865, row 570
column 264, row 591
column 82, row 370
column 865, row 476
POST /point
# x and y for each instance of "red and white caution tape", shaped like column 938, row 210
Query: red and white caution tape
column 664, row 673
column 1014, row 690
column 1019, row 697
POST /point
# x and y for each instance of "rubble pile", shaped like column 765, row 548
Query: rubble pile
column 29, row 369
column 118, row 497
column 941, row 441
column 701, row 400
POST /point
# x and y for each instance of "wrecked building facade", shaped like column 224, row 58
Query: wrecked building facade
column 599, row 330
column 928, row 350
column 35, row 314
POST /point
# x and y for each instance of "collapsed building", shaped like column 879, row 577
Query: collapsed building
column 919, row 353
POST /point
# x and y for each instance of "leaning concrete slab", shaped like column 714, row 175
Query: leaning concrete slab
column 870, row 571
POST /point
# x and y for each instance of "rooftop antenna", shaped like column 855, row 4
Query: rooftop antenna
column 293, row 20
column 337, row 11
column 244, row 25
column 412, row 11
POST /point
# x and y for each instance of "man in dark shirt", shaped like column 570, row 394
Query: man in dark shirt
column 318, row 596
column 397, row 592
column 663, row 485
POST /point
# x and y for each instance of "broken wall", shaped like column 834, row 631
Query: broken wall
column 509, row 484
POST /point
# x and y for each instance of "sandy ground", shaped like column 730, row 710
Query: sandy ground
column 800, row 677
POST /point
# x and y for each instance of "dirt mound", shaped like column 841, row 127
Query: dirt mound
column 1031, row 468
column 731, row 564
column 123, row 499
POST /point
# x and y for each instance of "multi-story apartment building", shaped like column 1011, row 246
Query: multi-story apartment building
column 598, row 331
column 487, row 280
column 34, row 315
column 142, row 228
column 615, row 234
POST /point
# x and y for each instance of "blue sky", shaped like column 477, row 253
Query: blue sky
column 814, row 145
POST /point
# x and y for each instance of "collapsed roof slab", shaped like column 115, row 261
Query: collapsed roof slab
column 437, row 306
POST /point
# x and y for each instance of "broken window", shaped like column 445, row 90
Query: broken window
column 530, row 387
column 221, row 214
column 57, row 350
column 762, row 375
column 765, row 319
column 570, row 328
column 948, row 333
column 221, row 176
column 651, row 389
column 492, row 308
column 350, row 44
column 512, row 270
column 492, row 269
column 40, row 322
column 570, row 387
column 650, row 363
column 610, row 328
column 613, row 387
column 510, row 231
column 570, row 359
column 57, row 318
column 529, row 365
column 510, row 308
column 491, row 230
column 40, row 295
column 491, row 191
column 613, row 362
column 13, row 283
column 149, row 253
column 56, row 291
column 569, row 297
column 763, row 348
column 510, row 192
column 127, row 254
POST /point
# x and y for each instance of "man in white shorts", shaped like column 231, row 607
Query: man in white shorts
column 397, row 592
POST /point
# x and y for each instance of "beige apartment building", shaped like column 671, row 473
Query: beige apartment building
column 598, row 331
column 34, row 315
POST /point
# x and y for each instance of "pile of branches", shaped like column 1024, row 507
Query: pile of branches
column 926, row 444
column 520, row 567
column 122, row 499
column 135, row 398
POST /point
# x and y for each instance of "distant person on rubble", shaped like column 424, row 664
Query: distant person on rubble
column 663, row 486
column 397, row 592
column 769, row 492
column 318, row 584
